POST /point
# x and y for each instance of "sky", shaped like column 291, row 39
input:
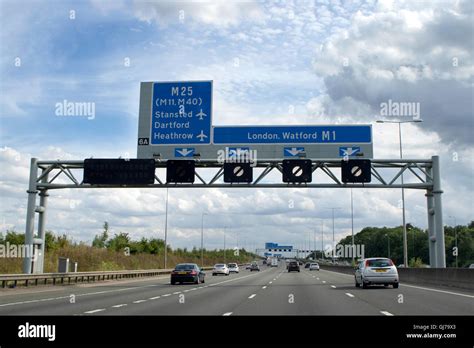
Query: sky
column 271, row 62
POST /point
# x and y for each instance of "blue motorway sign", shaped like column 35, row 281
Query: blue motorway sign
column 332, row 134
column 181, row 113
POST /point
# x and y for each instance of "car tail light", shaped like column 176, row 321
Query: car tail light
column 367, row 263
column 193, row 273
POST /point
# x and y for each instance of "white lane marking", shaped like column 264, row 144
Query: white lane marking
column 324, row 282
column 177, row 292
column 386, row 313
column 270, row 282
column 119, row 305
column 154, row 298
column 114, row 290
column 333, row 286
column 95, row 311
column 165, row 295
column 317, row 278
column 227, row 314
column 78, row 295
column 139, row 301
column 186, row 290
column 264, row 287
column 314, row 276
column 252, row 296
column 442, row 291
column 349, row 294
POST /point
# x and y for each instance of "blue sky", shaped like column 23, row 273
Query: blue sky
column 272, row 62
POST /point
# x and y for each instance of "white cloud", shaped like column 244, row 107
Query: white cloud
column 220, row 13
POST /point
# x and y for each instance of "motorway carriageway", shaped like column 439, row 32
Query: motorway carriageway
column 272, row 291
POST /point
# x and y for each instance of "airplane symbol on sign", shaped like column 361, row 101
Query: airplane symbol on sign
column 201, row 136
column 200, row 115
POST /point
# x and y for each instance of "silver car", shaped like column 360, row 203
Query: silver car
column 376, row 270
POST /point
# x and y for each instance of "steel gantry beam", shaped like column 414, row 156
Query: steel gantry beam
column 421, row 174
column 385, row 172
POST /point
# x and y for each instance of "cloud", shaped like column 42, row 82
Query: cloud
column 408, row 54
column 220, row 13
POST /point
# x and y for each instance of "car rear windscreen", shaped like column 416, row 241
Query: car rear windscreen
column 379, row 263
column 219, row 265
column 184, row 267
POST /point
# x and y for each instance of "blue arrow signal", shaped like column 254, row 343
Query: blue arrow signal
column 292, row 151
column 238, row 151
column 183, row 152
column 346, row 151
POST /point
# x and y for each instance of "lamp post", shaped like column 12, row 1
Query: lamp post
column 224, row 243
column 202, row 238
column 352, row 229
column 166, row 229
column 455, row 238
column 388, row 241
column 322, row 239
column 405, row 243
column 333, row 235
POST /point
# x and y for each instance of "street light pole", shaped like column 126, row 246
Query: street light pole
column 224, row 242
column 166, row 229
column 333, row 235
column 352, row 228
column 455, row 238
column 405, row 242
column 202, row 238
column 388, row 240
column 322, row 239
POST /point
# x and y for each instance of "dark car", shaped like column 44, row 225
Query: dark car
column 293, row 266
column 254, row 267
column 307, row 265
column 187, row 273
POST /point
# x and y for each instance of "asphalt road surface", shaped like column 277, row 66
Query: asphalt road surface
column 272, row 291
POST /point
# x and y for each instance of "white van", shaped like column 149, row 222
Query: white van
column 274, row 262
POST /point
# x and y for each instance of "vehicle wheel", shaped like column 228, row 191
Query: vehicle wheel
column 173, row 283
column 356, row 283
column 213, row 274
column 395, row 285
column 202, row 281
column 298, row 271
column 197, row 280
column 364, row 285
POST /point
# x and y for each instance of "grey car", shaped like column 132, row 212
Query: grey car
column 376, row 271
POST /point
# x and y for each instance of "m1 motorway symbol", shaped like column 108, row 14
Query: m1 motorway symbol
column 292, row 151
column 181, row 113
column 184, row 152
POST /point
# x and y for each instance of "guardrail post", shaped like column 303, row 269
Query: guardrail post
column 438, row 215
column 30, row 217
